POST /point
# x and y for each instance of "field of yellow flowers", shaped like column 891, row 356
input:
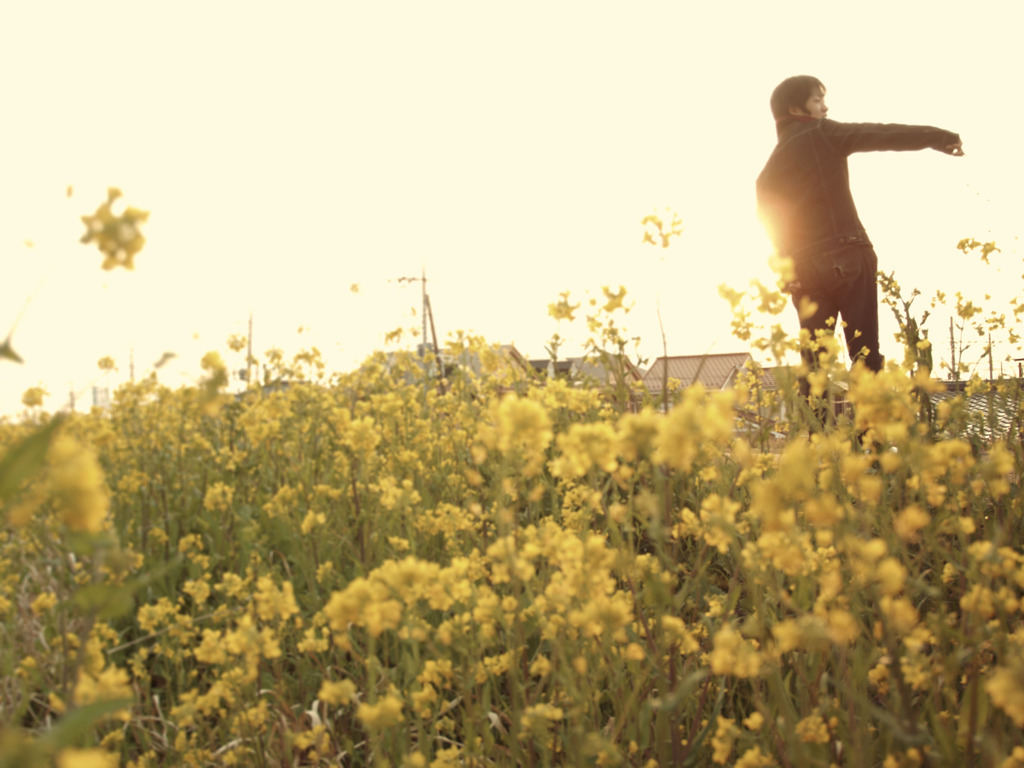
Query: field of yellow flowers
column 393, row 567
column 383, row 568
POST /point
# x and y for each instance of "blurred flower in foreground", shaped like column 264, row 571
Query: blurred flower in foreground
column 562, row 309
column 216, row 379
column 33, row 397
column 658, row 232
column 86, row 758
column 117, row 235
column 78, row 484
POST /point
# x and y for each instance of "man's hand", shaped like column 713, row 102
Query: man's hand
column 957, row 150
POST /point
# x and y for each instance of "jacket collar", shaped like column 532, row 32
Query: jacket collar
column 783, row 124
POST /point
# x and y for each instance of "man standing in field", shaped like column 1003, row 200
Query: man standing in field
column 804, row 200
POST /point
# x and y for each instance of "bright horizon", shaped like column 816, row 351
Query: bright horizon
column 287, row 155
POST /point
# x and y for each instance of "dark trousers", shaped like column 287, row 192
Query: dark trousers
column 841, row 281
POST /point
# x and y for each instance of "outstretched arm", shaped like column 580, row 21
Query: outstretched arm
column 876, row 137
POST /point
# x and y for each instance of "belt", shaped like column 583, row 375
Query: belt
column 859, row 237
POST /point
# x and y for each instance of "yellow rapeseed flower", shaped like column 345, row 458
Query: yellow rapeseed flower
column 117, row 235
column 522, row 431
column 808, row 632
column 1005, row 686
column 311, row 521
column 754, row 721
column 677, row 634
column 362, row 437
column 109, row 684
column 979, row 600
column 843, row 627
column 732, row 655
column 637, row 433
column 562, row 309
column 338, row 692
column 232, row 585
column 312, row 642
column 701, row 424
column 211, row 649
column 87, row 758
column 198, row 590
column 218, row 497
column 540, row 716
column 384, row 713
column 190, row 542
column 996, row 468
column 604, row 615
column 909, row 521
column 812, row 729
column 43, row 603
column 78, row 484
column 614, row 299
column 891, row 576
column 754, row 758
column 723, row 740
column 585, row 446
column 718, row 516
column 283, row 501
column 273, row 602
column 900, row 612
column 363, row 603
column 33, row 397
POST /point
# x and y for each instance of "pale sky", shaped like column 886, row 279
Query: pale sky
column 287, row 152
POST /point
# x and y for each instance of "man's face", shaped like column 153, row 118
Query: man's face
column 815, row 106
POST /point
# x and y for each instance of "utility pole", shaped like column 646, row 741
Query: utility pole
column 427, row 312
column 428, row 317
column 423, row 283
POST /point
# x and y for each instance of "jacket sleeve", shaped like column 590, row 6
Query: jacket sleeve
column 875, row 137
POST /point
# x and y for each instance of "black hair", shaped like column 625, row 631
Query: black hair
column 793, row 92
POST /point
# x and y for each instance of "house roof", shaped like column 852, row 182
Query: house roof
column 558, row 367
column 768, row 379
column 712, row 371
column 598, row 371
column 586, row 369
column 472, row 359
column 990, row 414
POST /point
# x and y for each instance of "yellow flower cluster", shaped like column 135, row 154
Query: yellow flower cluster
column 78, row 485
column 117, row 234
column 380, row 569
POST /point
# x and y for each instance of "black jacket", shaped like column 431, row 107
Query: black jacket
column 803, row 193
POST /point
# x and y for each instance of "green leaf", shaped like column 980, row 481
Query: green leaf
column 109, row 601
column 19, row 751
column 86, row 543
column 106, row 601
column 26, row 458
column 72, row 729
column 684, row 690
column 7, row 352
